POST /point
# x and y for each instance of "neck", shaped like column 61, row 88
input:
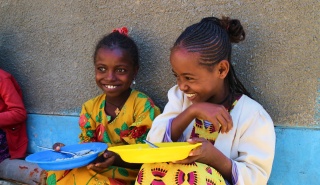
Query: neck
column 221, row 98
column 119, row 100
column 227, row 97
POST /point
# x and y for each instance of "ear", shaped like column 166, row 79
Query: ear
column 223, row 68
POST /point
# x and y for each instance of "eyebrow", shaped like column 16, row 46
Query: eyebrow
column 184, row 74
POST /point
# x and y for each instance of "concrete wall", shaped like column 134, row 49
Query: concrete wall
column 48, row 47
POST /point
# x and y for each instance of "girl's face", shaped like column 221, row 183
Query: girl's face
column 195, row 80
column 114, row 71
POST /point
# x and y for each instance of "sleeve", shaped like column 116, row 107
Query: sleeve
column 256, row 150
column 15, row 112
column 144, row 113
column 167, row 135
column 171, row 110
column 85, row 124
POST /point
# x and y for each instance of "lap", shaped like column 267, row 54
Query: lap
column 171, row 173
column 79, row 176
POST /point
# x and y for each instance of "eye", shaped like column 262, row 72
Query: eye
column 189, row 78
column 175, row 75
column 102, row 69
column 121, row 70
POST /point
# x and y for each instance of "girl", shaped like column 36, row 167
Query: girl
column 210, row 105
column 119, row 116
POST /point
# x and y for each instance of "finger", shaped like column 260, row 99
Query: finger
column 57, row 146
column 222, row 124
column 196, row 151
column 187, row 160
column 195, row 140
column 100, row 166
column 97, row 168
column 90, row 166
column 108, row 162
column 230, row 125
column 192, row 140
column 228, row 122
column 225, row 120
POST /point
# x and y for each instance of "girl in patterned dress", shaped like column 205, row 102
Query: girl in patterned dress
column 209, row 105
column 119, row 116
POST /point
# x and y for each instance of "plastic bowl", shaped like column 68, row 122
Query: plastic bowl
column 142, row 153
column 50, row 160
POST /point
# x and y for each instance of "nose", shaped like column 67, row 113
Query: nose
column 110, row 76
column 182, row 85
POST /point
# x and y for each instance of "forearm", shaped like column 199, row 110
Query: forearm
column 13, row 116
column 219, row 162
column 181, row 122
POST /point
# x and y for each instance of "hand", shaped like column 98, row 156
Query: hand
column 102, row 162
column 57, row 146
column 198, row 154
column 217, row 115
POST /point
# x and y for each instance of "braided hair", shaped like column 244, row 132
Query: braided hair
column 212, row 38
column 121, row 41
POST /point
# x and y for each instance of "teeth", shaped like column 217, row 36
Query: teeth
column 190, row 95
column 110, row 86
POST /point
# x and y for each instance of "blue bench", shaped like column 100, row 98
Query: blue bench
column 43, row 130
column 296, row 158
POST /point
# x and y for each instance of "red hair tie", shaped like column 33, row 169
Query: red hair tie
column 123, row 30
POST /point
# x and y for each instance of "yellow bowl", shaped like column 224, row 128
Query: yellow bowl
column 142, row 153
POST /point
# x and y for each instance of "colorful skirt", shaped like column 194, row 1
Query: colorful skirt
column 83, row 176
column 176, row 174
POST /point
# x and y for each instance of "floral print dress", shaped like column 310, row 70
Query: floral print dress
column 131, row 126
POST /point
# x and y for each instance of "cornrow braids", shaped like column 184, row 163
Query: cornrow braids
column 212, row 38
column 121, row 41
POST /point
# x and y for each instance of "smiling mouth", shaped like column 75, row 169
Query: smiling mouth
column 110, row 86
column 190, row 95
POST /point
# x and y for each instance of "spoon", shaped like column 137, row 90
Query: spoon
column 150, row 144
column 80, row 153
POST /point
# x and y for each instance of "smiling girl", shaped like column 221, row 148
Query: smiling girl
column 119, row 116
column 209, row 105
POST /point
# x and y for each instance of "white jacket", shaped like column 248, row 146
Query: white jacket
column 250, row 143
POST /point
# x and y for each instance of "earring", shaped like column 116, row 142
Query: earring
column 134, row 82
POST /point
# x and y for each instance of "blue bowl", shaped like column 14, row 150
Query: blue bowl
column 50, row 160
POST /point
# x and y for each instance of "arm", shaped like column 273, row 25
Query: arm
column 133, row 131
column 245, row 155
column 215, row 114
column 183, row 113
column 15, row 112
column 255, row 149
column 175, row 105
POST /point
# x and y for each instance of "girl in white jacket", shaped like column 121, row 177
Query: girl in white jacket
column 210, row 105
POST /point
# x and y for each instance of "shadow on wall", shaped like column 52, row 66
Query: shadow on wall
column 9, row 59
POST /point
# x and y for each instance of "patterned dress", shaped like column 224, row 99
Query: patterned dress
column 184, row 174
column 129, row 127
